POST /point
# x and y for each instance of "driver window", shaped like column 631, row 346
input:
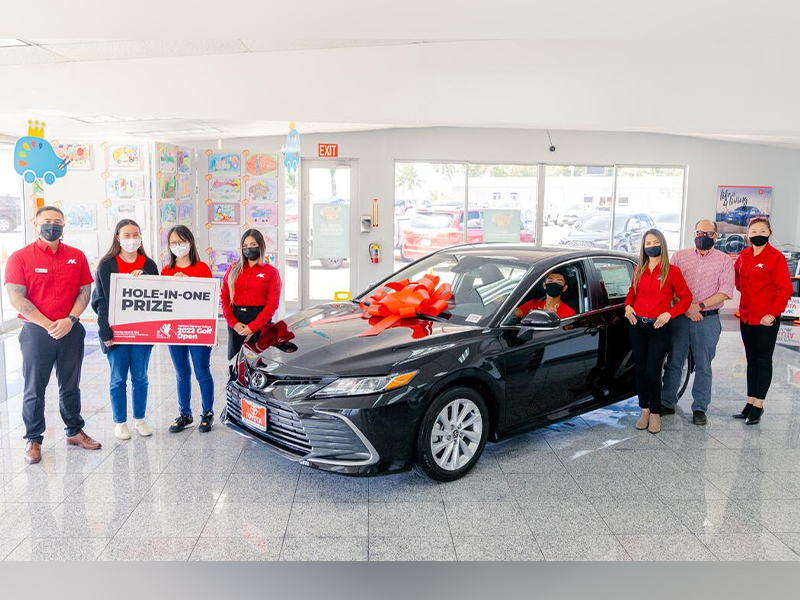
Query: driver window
column 615, row 277
column 571, row 300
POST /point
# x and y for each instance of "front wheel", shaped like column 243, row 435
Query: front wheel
column 452, row 435
column 331, row 263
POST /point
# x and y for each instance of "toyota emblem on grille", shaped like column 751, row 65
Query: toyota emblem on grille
column 258, row 380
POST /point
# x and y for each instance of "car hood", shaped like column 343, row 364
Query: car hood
column 327, row 340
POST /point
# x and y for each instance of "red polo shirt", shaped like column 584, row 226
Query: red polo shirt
column 650, row 299
column 563, row 310
column 764, row 282
column 52, row 279
column 255, row 286
column 199, row 269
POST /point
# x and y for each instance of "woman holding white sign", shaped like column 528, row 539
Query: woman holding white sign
column 184, row 261
column 251, row 292
column 126, row 256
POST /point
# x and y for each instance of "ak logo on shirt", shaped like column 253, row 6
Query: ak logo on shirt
column 260, row 275
column 72, row 261
column 760, row 266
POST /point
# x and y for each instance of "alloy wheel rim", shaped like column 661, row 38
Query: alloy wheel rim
column 456, row 434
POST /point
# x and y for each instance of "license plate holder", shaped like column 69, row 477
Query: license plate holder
column 254, row 415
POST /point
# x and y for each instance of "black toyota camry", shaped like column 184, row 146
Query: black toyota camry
column 340, row 390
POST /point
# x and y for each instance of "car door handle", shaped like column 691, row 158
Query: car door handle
column 592, row 330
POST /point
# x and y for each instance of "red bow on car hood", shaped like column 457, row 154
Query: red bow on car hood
column 407, row 299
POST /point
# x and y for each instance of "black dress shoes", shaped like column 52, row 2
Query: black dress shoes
column 745, row 412
column 699, row 417
column 754, row 416
column 667, row 411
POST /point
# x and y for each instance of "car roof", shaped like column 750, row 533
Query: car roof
column 529, row 252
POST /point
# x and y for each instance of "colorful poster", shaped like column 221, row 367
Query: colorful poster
column 262, row 214
column 223, row 213
column 736, row 205
column 85, row 242
column 270, row 238
column 124, row 157
column 220, row 260
column 166, row 186
column 184, row 187
column 131, row 210
column 331, row 223
column 265, row 165
column 81, row 216
column 184, row 161
column 185, row 213
column 169, row 213
column 501, row 225
column 225, row 237
column 225, row 188
column 262, row 190
column 148, row 309
column 129, row 187
column 224, row 163
column 166, row 159
column 79, row 155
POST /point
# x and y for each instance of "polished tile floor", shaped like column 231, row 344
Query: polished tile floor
column 590, row 488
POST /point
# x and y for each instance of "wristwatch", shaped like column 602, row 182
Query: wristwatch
column 73, row 319
column 702, row 305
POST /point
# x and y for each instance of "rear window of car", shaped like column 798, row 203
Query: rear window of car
column 432, row 220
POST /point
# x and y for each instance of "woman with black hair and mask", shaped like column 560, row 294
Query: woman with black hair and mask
column 649, row 310
column 762, row 277
column 251, row 292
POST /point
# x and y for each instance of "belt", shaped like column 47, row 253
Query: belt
column 709, row 313
column 248, row 308
column 646, row 320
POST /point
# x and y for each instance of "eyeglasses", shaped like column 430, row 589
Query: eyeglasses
column 710, row 234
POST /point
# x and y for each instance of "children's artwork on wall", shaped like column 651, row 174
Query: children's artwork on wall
column 164, row 237
column 124, row 157
column 262, row 214
column 127, row 210
column 223, row 213
column 185, row 212
column 169, row 213
column 265, row 165
column 270, row 238
column 224, row 163
column 80, row 216
column 184, row 161
column 85, row 242
column 220, row 260
column 36, row 160
column 262, row 190
column 225, row 188
column 224, row 237
column 129, row 187
column 78, row 155
column 184, row 187
column 166, row 159
column 166, row 186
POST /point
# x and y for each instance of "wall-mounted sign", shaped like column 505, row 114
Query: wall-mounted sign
column 736, row 205
column 328, row 150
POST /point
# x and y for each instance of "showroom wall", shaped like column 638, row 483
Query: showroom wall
column 709, row 164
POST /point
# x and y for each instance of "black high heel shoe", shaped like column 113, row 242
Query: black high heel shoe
column 754, row 416
column 745, row 412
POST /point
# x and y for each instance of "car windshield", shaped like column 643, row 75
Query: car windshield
column 432, row 220
column 480, row 284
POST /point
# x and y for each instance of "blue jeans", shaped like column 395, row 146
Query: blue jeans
column 702, row 337
column 125, row 358
column 201, row 359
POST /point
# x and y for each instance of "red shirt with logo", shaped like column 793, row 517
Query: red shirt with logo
column 126, row 268
column 563, row 310
column 52, row 279
column 764, row 283
column 199, row 269
column 649, row 299
column 255, row 286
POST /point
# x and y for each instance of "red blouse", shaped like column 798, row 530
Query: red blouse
column 650, row 299
column 199, row 269
column 764, row 282
column 255, row 286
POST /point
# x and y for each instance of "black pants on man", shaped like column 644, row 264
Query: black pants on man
column 649, row 347
column 759, row 345
column 40, row 353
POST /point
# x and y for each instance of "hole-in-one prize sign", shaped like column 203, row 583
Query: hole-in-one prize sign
column 148, row 309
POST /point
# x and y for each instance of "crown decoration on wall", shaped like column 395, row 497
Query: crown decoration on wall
column 36, row 129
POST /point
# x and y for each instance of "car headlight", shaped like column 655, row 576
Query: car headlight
column 354, row 386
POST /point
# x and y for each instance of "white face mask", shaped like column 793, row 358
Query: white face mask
column 179, row 250
column 130, row 245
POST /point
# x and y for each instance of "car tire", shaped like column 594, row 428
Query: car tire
column 6, row 224
column 331, row 263
column 434, row 448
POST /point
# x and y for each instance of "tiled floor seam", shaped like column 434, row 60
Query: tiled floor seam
column 291, row 509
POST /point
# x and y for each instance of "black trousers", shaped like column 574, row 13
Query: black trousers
column 40, row 353
column 649, row 347
column 759, row 345
column 246, row 315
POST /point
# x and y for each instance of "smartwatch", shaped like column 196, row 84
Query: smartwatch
column 702, row 305
column 73, row 319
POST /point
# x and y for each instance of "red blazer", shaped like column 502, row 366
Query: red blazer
column 764, row 283
column 649, row 299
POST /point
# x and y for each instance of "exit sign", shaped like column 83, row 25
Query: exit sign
column 328, row 150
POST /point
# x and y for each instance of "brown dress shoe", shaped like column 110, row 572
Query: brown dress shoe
column 33, row 452
column 644, row 420
column 655, row 423
column 84, row 441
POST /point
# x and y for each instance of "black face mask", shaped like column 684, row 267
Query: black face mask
column 553, row 289
column 252, row 253
column 702, row 242
column 51, row 231
column 653, row 251
column 759, row 240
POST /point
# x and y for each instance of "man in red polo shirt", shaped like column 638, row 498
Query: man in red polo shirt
column 555, row 284
column 49, row 283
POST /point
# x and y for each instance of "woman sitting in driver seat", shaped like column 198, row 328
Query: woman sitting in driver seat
column 554, row 286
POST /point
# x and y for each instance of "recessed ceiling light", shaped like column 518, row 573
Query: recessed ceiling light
column 11, row 43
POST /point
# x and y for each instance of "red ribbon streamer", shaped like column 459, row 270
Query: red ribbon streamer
column 406, row 300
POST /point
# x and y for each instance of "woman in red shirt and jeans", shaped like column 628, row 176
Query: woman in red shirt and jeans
column 762, row 277
column 649, row 310
column 251, row 292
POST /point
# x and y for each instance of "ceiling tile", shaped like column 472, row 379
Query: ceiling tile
column 132, row 49
column 27, row 55
column 278, row 45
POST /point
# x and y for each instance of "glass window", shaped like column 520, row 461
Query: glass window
column 615, row 276
column 291, row 247
column 573, row 195
column 12, row 230
column 507, row 215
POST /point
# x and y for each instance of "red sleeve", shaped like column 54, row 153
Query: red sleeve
column 15, row 270
column 565, row 310
column 203, row 270
column 526, row 307
column 165, row 271
column 682, row 291
column 783, row 283
column 631, row 297
column 273, row 300
column 737, row 268
column 225, row 298
column 86, row 273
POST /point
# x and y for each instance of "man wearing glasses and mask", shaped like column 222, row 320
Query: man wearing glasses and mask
column 710, row 276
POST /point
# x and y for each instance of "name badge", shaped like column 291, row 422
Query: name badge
column 40, row 270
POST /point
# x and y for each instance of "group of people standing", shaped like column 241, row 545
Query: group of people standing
column 49, row 283
column 673, row 306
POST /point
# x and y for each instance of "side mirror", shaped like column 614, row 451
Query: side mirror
column 538, row 320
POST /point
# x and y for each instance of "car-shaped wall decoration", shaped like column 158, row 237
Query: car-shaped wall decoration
column 34, row 157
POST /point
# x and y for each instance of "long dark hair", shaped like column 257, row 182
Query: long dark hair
column 236, row 267
column 115, row 245
column 185, row 235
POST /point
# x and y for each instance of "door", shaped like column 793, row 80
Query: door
column 328, row 236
